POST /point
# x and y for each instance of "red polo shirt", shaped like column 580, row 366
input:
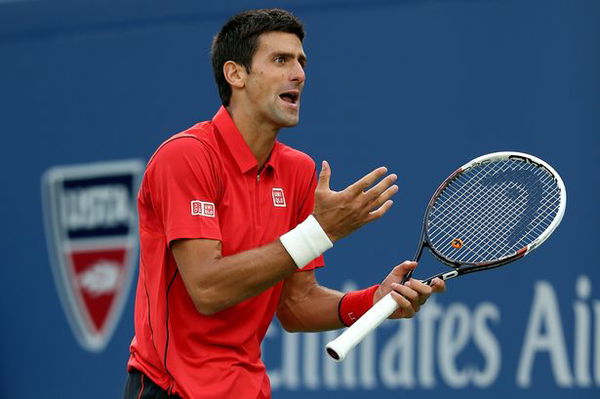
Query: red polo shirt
column 205, row 183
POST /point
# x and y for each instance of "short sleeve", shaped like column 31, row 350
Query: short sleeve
column 184, row 188
column 307, row 206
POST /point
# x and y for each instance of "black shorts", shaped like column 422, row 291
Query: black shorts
column 139, row 386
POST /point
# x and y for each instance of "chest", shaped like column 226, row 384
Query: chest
column 256, row 209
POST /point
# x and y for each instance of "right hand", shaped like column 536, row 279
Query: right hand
column 341, row 212
column 409, row 296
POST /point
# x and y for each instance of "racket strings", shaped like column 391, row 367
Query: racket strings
column 483, row 213
column 474, row 213
column 503, row 227
column 505, row 232
column 494, row 209
column 544, row 215
column 477, row 211
column 456, row 193
column 480, row 216
column 474, row 216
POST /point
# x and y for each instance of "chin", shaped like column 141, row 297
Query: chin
column 287, row 120
column 292, row 123
column 283, row 117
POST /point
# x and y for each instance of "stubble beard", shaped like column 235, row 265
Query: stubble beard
column 283, row 118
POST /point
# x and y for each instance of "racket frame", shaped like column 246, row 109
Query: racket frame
column 466, row 267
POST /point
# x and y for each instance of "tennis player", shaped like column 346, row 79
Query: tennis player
column 233, row 224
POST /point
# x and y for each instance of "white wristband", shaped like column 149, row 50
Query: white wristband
column 306, row 241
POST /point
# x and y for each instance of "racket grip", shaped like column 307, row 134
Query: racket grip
column 353, row 335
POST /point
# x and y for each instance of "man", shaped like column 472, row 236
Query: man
column 233, row 224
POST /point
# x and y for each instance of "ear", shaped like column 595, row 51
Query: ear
column 235, row 74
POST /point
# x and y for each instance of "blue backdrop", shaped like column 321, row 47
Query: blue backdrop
column 418, row 86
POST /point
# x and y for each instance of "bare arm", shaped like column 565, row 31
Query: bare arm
column 215, row 282
column 307, row 306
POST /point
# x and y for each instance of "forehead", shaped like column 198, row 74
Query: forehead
column 279, row 42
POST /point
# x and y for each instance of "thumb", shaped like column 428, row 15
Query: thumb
column 403, row 269
column 324, row 176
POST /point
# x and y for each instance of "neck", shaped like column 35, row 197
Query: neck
column 259, row 135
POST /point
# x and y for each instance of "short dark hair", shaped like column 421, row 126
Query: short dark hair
column 238, row 40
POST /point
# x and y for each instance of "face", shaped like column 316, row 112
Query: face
column 276, row 79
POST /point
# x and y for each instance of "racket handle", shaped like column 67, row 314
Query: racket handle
column 353, row 335
column 339, row 348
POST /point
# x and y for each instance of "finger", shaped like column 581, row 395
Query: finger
column 404, row 305
column 324, row 176
column 381, row 187
column 438, row 285
column 383, row 198
column 407, row 292
column 422, row 289
column 367, row 180
column 416, row 298
column 379, row 212
column 399, row 271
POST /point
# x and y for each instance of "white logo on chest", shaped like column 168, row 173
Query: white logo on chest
column 278, row 197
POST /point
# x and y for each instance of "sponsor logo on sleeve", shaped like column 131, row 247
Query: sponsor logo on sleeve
column 203, row 208
column 91, row 231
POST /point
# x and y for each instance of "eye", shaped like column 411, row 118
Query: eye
column 280, row 59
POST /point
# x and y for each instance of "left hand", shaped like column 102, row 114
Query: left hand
column 410, row 296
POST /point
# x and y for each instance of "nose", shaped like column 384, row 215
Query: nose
column 297, row 73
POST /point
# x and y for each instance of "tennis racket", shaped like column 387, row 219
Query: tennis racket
column 494, row 210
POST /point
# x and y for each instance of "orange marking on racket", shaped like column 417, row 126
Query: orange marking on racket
column 457, row 243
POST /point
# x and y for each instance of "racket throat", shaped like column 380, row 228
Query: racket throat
column 442, row 276
column 422, row 244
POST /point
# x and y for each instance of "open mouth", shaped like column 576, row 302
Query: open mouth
column 290, row 97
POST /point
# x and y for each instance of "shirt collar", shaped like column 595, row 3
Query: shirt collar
column 237, row 145
column 272, row 160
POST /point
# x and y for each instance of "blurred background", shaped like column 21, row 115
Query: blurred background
column 88, row 90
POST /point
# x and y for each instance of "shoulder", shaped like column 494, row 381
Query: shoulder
column 196, row 142
column 292, row 157
column 190, row 154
